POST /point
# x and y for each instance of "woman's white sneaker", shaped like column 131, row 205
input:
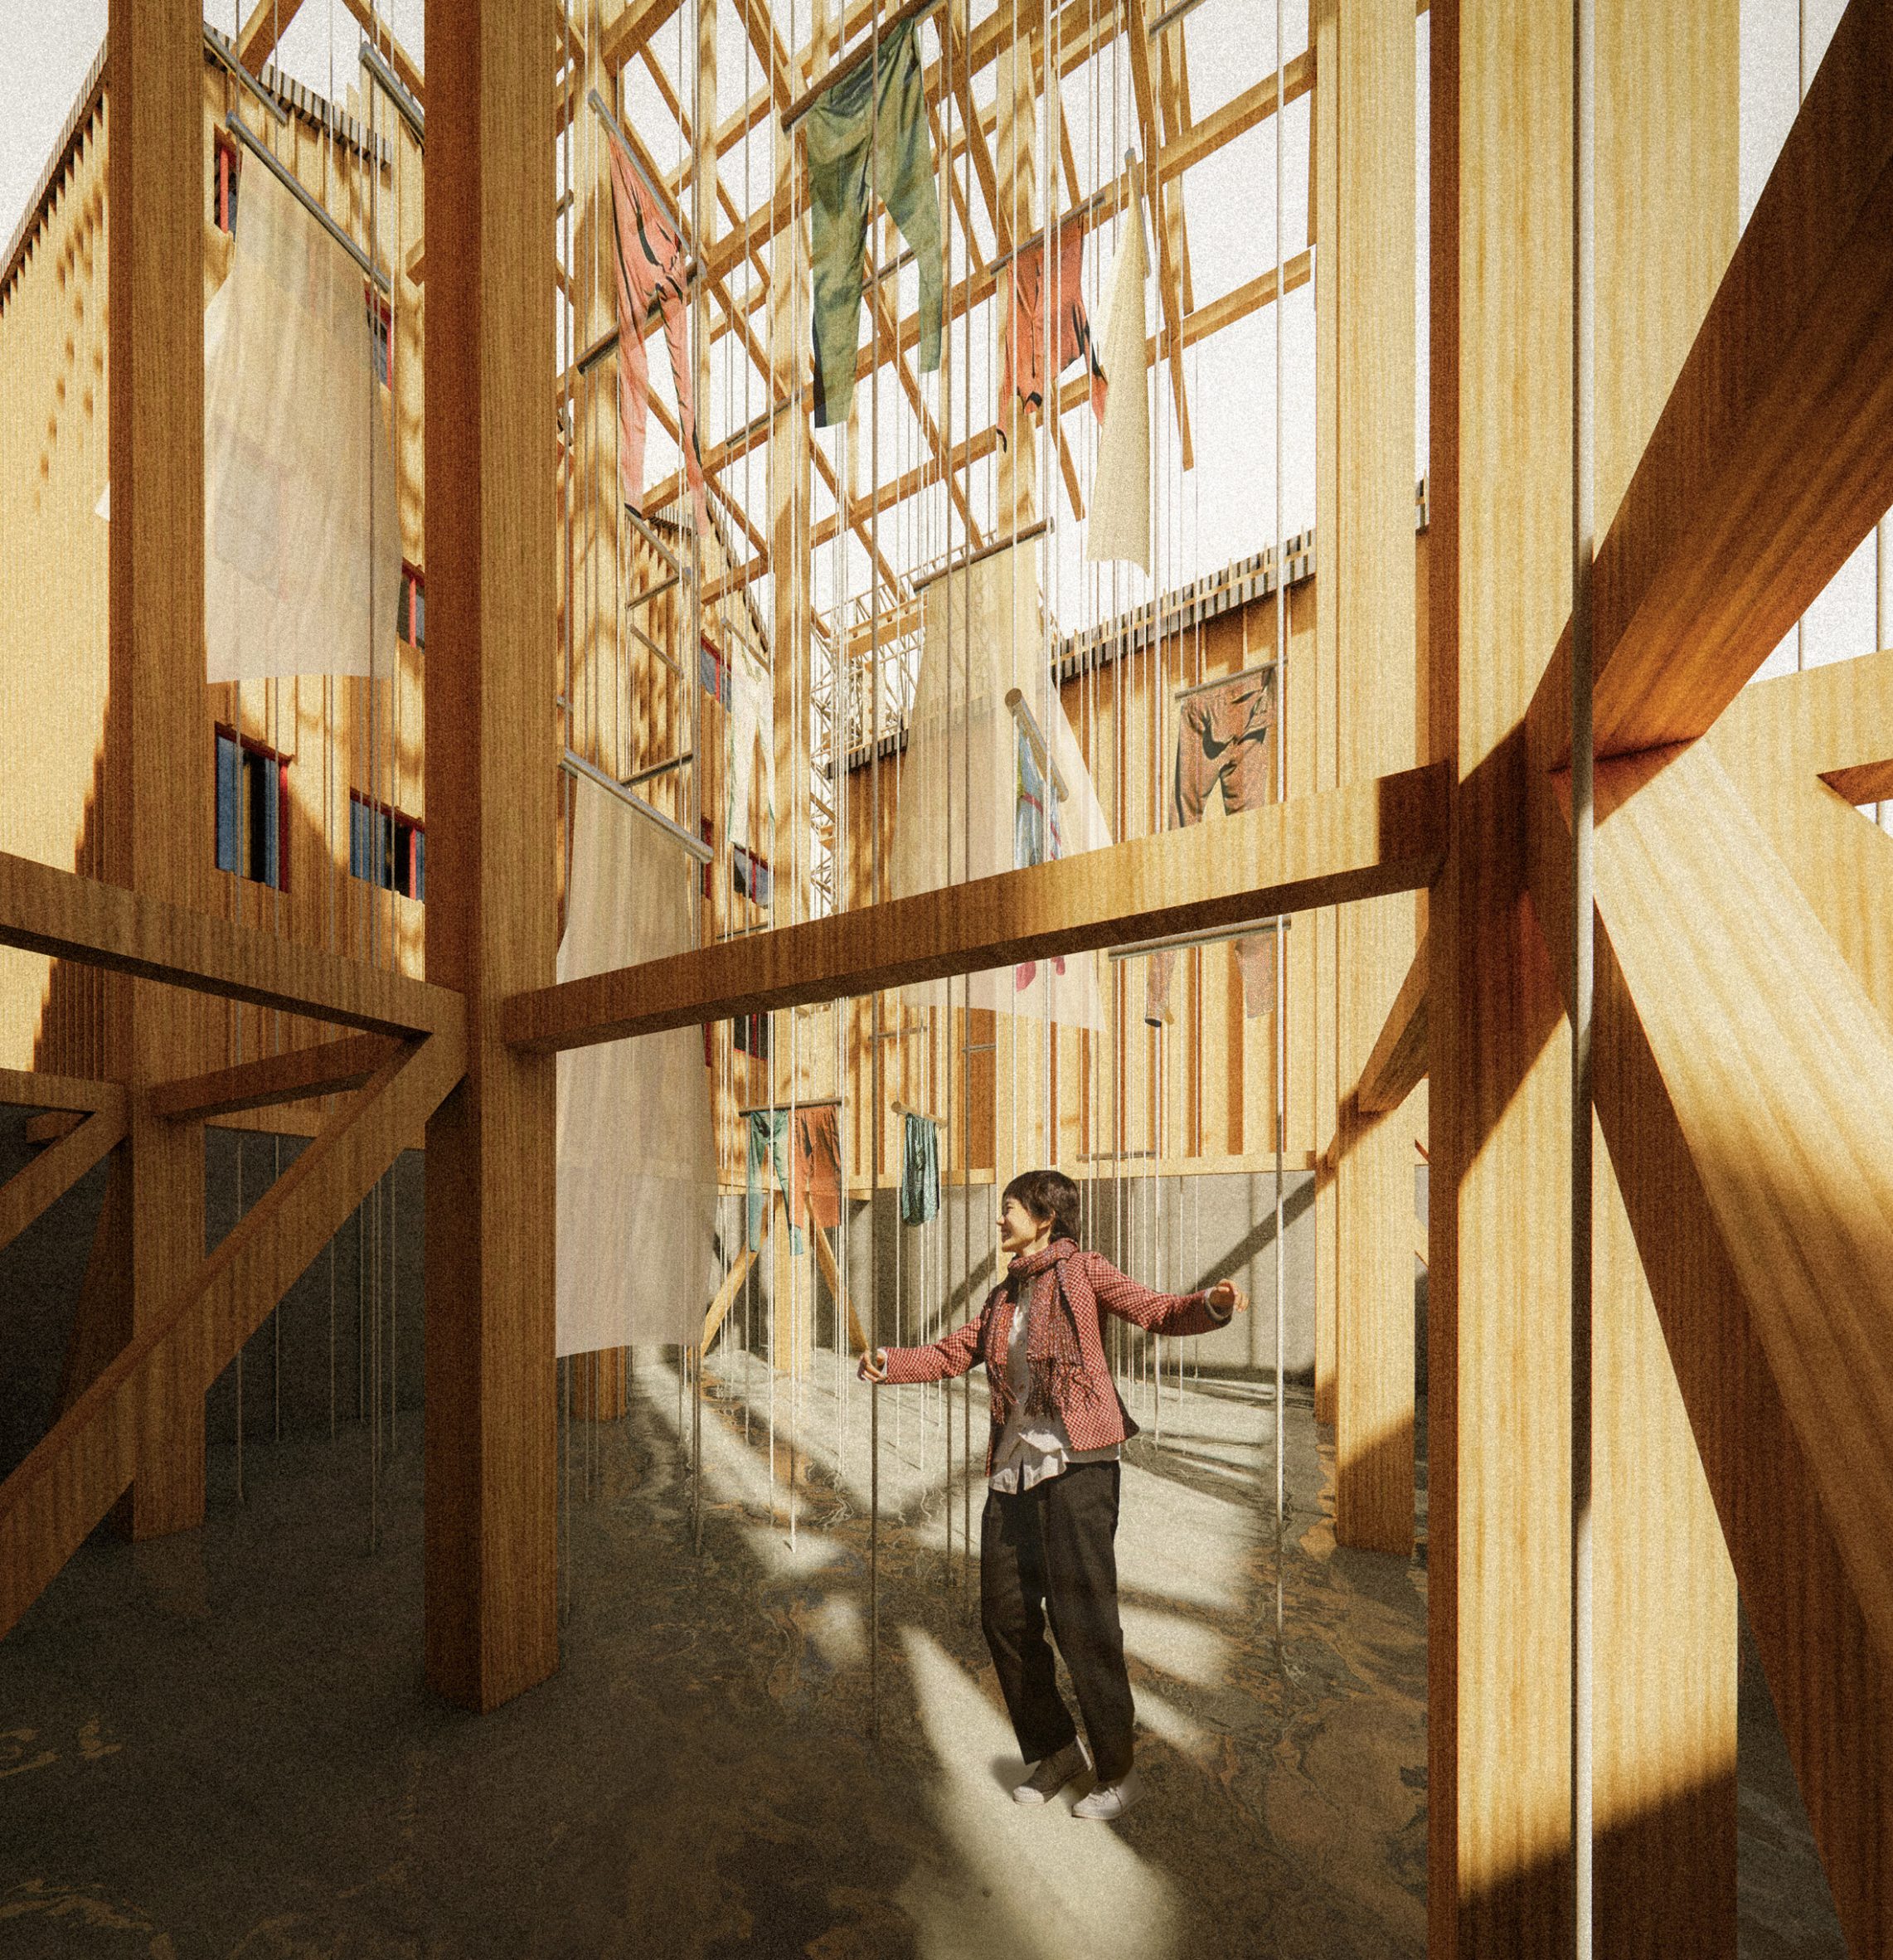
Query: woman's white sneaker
column 1109, row 1800
column 1051, row 1775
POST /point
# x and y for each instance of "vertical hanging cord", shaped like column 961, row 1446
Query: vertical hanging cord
column 1584, row 523
column 1281, row 1095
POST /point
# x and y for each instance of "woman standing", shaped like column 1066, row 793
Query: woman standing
column 1058, row 1427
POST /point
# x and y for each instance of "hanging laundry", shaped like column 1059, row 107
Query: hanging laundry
column 1120, row 494
column 302, row 538
column 867, row 137
column 1037, row 836
column 752, row 750
column 1026, row 335
column 768, row 1148
column 1222, row 741
column 652, row 271
column 920, row 1170
column 816, row 1167
column 636, row 1151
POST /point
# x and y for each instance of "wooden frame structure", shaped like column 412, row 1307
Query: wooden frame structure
column 1747, row 1226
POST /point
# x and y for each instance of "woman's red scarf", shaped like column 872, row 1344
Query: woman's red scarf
column 1054, row 1361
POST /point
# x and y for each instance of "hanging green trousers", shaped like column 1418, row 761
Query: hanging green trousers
column 867, row 137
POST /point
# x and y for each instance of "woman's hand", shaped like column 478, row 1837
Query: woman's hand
column 874, row 1366
column 1227, row 1297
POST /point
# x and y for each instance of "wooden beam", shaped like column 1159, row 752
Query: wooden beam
column 407, row 71
column 45, row 910
column 50, row 1503
column 1708, row 563
column 825, row 1259
column 31, row 1190
column 632, row 28
column 30, row 1089
column 1751, row 1120
column 268, row 21
column 1396, row 1064
column 726, row 1297
column 1168, row 287
column 490, row 1561
column 293, row 1076
column 1360, row 842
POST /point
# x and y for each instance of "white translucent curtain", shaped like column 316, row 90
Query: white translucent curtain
column 637, row 1157
column 301, row 540
column 959, row 814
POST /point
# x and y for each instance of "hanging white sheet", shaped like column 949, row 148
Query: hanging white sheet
column 301, row 540
column 752, row 751
column 1120, row 494
column 973, row 801
column 637, row 1159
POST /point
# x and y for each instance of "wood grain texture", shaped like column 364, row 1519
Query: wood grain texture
column 491, row 748
column 33, row 1089
column 69, row 1480
column 1396, row 1064
column 1361, row 841
column 1789, row 382
column 145, row 936
column 1753, row 1128
column 1371, row 571
column 291, row 1077
column 1169, row 272
column 40, row 1184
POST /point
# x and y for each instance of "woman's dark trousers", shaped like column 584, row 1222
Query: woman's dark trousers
column 1046, row 1554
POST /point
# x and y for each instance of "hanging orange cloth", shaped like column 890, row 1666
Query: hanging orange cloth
column 1025, row 338
column 815, row 1166
column 651, row 270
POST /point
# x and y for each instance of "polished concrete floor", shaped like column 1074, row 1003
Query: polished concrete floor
column 221, row 1744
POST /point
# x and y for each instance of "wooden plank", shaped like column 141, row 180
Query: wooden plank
column 825, row 1259
column 1369, row 579
column 66, row 1484
column 32, row 1089
column 490, row 1561
column 1396, row 1064
column 99, row 1324
column 1168, row 287
column 1789, row 381
column 632, row 28
column 407, row 71
column 1752, row 1123
column 726, row 1296
column 1360, row 842
column 291, row 1077
column 40, row 1184
column 149, row 937
column 268, row 21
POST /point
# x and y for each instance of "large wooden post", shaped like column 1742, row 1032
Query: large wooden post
column 159, row 819
column 1367, row 586
column 492, row 1524
column 1498, row 1359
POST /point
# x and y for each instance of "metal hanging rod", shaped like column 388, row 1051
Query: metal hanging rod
column 968, row 559
column 1171, row 16
column 226, row 58
column 912, row 11
column 1177, row 942
column 925, row 1115
column 574, row 765
column 257, row 148
column 793, row 1103
column 670, row 211
column 607, row 344
column 409, row 111
column 1023, row 714
column 661, row 769
column 1246, row 673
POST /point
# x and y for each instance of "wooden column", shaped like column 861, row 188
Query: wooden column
column 1665, row 1612
column 1368, row 572
column 491, row 750
column 1499, row 1383
column 1324, row 167
column 1498, row 1375
column 159, row 817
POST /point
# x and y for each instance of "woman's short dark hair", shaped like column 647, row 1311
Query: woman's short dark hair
column 1047, row 1194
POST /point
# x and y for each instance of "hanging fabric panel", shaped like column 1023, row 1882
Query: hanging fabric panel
column 1025, row 337
column 752, row 754
column 302, row 538
column 637, row 1156
column 1120, row 496
column 973, row 799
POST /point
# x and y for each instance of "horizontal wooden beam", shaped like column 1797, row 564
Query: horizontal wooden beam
column 29, row 1089
column 71, row 1479
column 407, row 71
column 1397, row 1064
column 1745, row 1086
column 56, row 912
column 33, row 1190
column 1773, row 455
column 1359, row 841
column 326, row 1069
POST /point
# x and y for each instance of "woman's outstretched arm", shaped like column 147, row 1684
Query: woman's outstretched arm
column 1162, row 1313
column 953, row 1354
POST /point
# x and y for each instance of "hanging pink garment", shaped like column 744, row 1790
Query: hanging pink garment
column 651, row 269
column 1025, row 340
